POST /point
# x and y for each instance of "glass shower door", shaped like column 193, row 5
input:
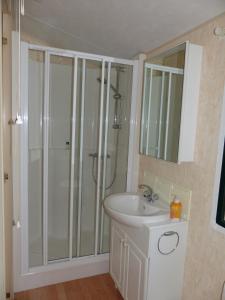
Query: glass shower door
column 87, row 137
column 76, row 153
column 59, row 155
column 115, row 141
column 36, row 62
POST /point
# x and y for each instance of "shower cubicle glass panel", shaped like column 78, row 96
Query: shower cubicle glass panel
column 35, row 156
column 88, row 110
column 59, row 153
column 116, row 128
column 78, row 136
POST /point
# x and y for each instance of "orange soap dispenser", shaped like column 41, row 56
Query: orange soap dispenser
column 175, row 209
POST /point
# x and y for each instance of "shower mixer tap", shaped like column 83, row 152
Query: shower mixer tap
column 95, row 155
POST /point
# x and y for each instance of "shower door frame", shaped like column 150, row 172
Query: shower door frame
column 25, row 277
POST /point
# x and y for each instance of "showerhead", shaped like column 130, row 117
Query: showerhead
column 117, row 95
column 116, row 126
column 117, row 106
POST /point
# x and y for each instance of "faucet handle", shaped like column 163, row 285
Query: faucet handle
column 155, row 197
column 148, row 189
column 148, row 193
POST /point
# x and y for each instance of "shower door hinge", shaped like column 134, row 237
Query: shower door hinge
column 4, row 41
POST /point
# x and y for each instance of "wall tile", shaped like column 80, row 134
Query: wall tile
column 167, row 190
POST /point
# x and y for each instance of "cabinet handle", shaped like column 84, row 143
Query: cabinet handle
column 166, row 234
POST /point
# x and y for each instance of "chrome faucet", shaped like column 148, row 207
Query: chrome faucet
column 148, row 193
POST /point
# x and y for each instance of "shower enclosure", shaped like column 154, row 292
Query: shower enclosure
column 74, row 151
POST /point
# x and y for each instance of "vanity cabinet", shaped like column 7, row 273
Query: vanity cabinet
column 135, row 272
column 117, row 256
column 147, row 263
column 128, row 266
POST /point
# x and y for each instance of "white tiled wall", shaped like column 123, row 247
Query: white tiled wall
column 167, row 190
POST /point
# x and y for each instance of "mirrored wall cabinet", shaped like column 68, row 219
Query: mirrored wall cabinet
column 170, row 103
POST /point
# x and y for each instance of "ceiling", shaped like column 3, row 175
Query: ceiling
column 120, row 28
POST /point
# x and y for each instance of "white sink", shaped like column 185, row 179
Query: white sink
column 134, row 210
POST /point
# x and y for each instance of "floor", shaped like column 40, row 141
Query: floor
column 99, row 287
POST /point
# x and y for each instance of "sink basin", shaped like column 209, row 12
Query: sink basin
column 134, row 210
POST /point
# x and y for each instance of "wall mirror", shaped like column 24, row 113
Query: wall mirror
column 220, row 214
column 218, row 211
column 161, row 104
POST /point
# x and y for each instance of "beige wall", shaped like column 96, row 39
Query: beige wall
column 205, row 262
column 33, row 40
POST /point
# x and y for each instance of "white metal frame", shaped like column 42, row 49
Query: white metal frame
column 167, row 115
column 105, row 155
column 98, row 194
column 82, row 55
column 142, row 113
column 45, row 157
column 2, row 217
column 133, row 165
column 81, row 153
column 26, row 277
column 24, row 161
column 189, row 108
column 149, row 111
column 160, row 114
column 164, row 68
column 75, row 70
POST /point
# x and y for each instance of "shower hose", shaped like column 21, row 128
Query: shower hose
column 115, row 165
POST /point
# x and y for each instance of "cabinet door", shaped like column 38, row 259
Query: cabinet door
column 135, row 273
column 117, row 256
